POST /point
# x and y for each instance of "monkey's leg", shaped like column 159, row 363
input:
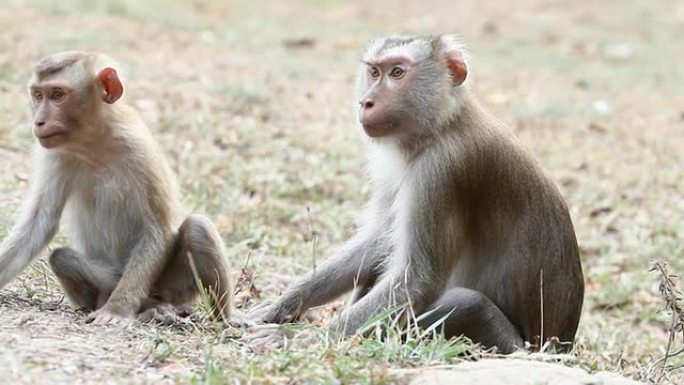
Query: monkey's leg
column 472, row 314
column 85, row 283
column 365, row 286
column 163, row 312
column 198, row 250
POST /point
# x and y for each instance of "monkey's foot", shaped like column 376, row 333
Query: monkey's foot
column 258, row 314
column 165, row 314
column 242, row 321
column 103, row 316
column 264, row 338
column 281, row 312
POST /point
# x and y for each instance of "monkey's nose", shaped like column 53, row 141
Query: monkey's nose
column 39, row 123
column 367, row 104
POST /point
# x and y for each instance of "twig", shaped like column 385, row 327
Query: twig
column 541, row 300
column 313, row 237
column 672, row 297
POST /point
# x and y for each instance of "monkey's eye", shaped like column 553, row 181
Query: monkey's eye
column 57, row 94
column 37, row 95
column 374, row 72
column 397, row 72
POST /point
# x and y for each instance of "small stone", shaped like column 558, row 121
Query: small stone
column 490, row 28
column 304, row 42
column 597, row 127
column 619, row 51
column 207, row 37
column 582, row 84
column 601, row 106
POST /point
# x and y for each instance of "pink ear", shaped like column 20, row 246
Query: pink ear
column 112, row 85
column 457, row 67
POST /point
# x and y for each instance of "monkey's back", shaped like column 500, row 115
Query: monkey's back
column 521, row 239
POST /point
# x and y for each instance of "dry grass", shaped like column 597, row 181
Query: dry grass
column 252, row 102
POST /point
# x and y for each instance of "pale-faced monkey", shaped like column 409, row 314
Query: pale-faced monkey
column 463, row 225
column 97, row 160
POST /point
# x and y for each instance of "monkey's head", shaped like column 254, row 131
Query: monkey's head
column 67, row 91
column 410, row 84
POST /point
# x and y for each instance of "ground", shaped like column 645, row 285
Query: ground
column 253, row 104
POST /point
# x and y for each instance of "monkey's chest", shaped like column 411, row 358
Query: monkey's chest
column 104, row 224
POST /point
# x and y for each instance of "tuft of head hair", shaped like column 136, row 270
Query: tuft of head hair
column 451, row 43
column 392, row 45
column 62, row 62
column 55, row 63
column 414, row 46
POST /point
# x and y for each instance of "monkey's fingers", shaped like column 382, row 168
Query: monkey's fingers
column 263, row 338
column 255, row 318
column 184, row 311
column 259, row 312
column 163, row 316
column 147, row 315
column 242, row 321
column 263, row 332
column 264, row 328
column 103, row 317
column 93, row 317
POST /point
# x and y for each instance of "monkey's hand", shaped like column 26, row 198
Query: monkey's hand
column 263, row 338
column 242, row 320
column 165, row 314
column 349, row 323
column 105, row 316
column 338, row 327
column 287, row 309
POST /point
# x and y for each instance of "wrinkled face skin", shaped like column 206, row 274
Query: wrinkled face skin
column 65, row 100
column 407, row 85
column 52, row 102
column 381, row 111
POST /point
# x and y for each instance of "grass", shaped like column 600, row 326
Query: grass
column 261, row 134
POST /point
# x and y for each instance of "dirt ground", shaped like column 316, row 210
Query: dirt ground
column 253, row 104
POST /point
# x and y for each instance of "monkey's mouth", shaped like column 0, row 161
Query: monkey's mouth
column 376, row 130
column 49, row 140
column 52, row 135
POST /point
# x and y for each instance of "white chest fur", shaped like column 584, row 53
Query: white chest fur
column 103, row 217
column 387, row 166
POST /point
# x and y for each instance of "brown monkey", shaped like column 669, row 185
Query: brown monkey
column 462, row 223
column 98, row 161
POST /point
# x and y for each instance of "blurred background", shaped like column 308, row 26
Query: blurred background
column 253, row 103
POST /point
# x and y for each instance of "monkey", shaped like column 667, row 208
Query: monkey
column 462, row 225
column 97, row 163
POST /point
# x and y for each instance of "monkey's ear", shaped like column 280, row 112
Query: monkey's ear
column 457, row 67
column 112, row 85
column 455, row 53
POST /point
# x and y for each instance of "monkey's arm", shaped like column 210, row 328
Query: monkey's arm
column 144, row 266
column 415, row 277
column 392, row 290
column 37, row 224
column 336, row 276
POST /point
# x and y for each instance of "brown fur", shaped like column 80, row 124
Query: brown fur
column 462, row 223
column 99, row 162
